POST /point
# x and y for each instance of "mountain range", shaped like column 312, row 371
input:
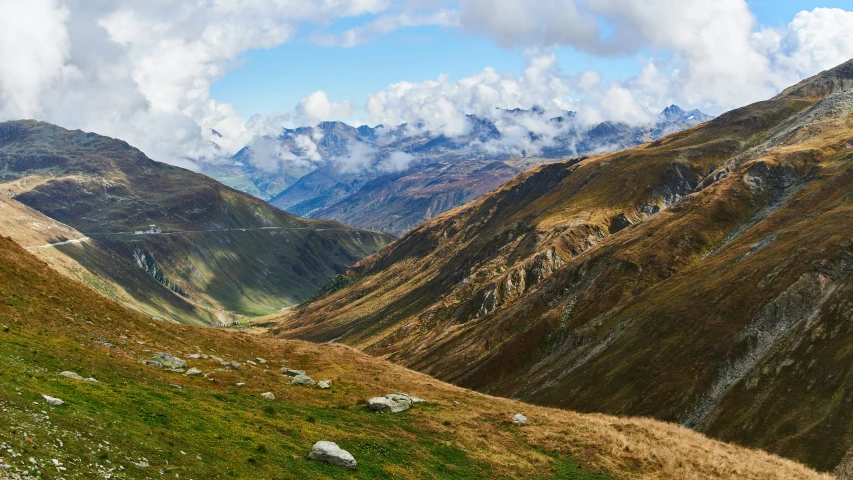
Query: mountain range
column 161, row 239
column 702, row 278
column 393, row 179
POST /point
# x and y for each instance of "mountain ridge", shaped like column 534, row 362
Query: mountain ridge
column 213, row 246
column 591, row 284
column 348, row 159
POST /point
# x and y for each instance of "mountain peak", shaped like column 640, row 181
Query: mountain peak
column 830, row 81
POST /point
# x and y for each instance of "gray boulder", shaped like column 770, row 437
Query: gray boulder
column 519, row 419
column 324, row 384
column 331, row 453
column 303, row 379
column 192, row 372
column 71, row 375
column 268, row 395
column 231, row 365
column 167, row 361
column 291, row 373
column 393, row 402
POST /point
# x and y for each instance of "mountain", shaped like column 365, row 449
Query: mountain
column 213, row 252
column 356, row 181
column 138, row 421
column 704, row 278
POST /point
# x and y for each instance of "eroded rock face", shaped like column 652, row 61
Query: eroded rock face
column 331, row 453
column 167, row 361
column 393, row 402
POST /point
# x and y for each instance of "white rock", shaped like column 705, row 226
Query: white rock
column 191, row 372
column 519, row 419
column 251, row 363
column 331, row 453
column 260, row 360
column 393, row 402
column 324, row 384
column 268, row 395
column 52, row 400
column 71, row 375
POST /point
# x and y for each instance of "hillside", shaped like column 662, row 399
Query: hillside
column 703, row 279
column 355, row 179
column 140, row 421
column 217, row 251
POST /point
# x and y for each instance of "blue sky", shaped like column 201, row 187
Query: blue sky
column 273, row 80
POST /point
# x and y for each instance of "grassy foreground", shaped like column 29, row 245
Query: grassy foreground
column 143, row 422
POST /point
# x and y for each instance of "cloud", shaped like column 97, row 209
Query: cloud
column 361, row 157
column 316, row 108
column 384, row 25
column 141, row 70
column 34, row 48
column 395, row 162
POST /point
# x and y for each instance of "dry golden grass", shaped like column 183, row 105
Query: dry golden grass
column 54, row 323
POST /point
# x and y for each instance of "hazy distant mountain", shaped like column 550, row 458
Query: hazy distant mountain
column 393, row 179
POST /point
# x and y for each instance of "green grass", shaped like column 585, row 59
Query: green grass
column 134, row 415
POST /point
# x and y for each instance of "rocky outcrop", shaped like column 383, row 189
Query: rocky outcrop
column 167, row 361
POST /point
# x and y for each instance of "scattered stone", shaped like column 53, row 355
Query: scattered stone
column 393, row 402
column 92, row 380
column 417, row 400
column 303, row 379
column 240, row 384
column 251, row 363
column 52, row 400
column 331, row 453
column 260, row 360
column 194, row 356
column 167, row 361
column 105, row 344
column 231, row 365
column 519, row 419
column 71, row 375
column 291, row 373
column 192, row 372
column 268, row 395
column 324, row 384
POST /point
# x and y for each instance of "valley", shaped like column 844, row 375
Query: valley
column 702, row 278
column 135, row 420
column 219, row 256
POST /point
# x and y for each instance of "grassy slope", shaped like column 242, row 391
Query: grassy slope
column 142, row 422
column 728, row 311
column 102, row 187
